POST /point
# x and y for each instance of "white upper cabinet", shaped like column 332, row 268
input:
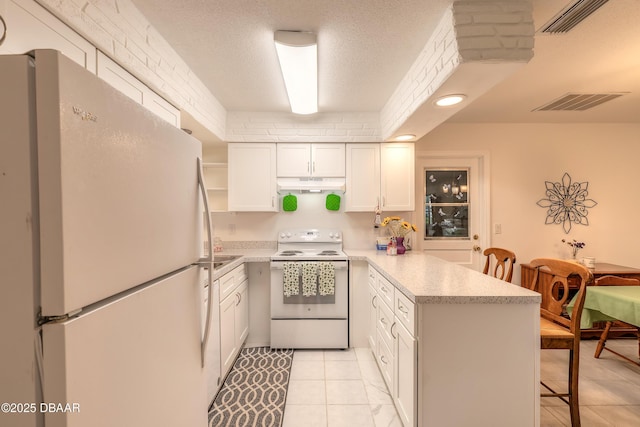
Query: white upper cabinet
column 362, row 177
column 316, row 160
column 397, row 173
column 380, row 175
column 29, row 26
column 252, row 177
column 126, row 83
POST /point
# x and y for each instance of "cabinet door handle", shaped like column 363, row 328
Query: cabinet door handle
column 383, row 289
column 314, row 166
column 308, row 168
column 373, row 301
column 272, row 201
column 383, row 321
column 402, row 309
column 382, row 359
column 384, row 202
column 392, row 334
column 239, row 298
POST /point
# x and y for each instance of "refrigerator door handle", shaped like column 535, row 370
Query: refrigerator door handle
column 208, row 259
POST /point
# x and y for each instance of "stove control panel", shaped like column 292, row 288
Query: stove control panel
column 311, row 235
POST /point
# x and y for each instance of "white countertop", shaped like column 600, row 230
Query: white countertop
column 422, row 278
column 426, row 279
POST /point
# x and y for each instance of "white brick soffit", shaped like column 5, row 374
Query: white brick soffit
column 477, row 44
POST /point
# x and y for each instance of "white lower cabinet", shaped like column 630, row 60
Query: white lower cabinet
column 373, row 317
column 395, row 345
column 405, row 385
column 228, row 349
column 234, row 316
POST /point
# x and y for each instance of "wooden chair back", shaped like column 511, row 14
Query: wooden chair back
column 555, row 294
column 503, row 261
column 616, row 281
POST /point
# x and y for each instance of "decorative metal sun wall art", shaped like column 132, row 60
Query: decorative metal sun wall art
column 567, row 202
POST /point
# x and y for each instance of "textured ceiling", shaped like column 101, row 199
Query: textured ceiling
column 366, row 47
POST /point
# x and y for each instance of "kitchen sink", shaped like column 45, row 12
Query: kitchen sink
column 220, row 261
column 225, row 258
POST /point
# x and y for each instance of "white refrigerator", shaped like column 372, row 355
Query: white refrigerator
column 101, row 236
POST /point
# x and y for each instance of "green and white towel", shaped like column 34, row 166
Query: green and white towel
column 309, row 279
column 291, row 279
column 326, row 278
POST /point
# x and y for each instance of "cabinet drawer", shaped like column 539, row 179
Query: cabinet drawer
column 227, row 284
column 404, row 310
column 373, row 277
column 240, row 273
column 231, row 280
column 386, row 291
column 385, row 322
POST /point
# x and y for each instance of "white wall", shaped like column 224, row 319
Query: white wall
column 524, row 156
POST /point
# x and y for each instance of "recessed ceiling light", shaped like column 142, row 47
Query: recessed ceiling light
column 449, row 100
column 406, row 137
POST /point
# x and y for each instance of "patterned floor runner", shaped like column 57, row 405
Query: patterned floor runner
column 255, row 391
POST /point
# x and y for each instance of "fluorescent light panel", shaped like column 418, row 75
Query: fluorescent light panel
column 298, row 56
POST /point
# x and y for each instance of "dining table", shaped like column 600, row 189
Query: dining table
column 601, row 269
column 610, row 303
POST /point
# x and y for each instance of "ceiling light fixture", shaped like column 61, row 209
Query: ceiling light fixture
column 405, row 137
column 298, row 56
column 449, row 100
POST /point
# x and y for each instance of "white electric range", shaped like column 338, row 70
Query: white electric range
column 309, row 290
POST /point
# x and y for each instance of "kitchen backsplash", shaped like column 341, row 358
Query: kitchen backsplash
column 250, row 244
column 357, row 227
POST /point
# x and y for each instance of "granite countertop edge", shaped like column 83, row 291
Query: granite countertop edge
column 425, row 279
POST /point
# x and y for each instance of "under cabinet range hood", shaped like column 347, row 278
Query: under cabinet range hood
column 311, row 185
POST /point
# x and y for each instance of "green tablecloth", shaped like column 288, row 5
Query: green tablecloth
column 610, row 303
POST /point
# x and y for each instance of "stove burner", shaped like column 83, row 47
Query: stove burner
column 290, row 253
column 328, row 253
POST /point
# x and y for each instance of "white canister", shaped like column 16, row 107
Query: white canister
column 589, row 262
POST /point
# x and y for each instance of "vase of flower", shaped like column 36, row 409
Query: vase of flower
column 398, row 229
column 575, row 247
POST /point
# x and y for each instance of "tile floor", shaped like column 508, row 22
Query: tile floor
column 335, row 388
column 344, row 388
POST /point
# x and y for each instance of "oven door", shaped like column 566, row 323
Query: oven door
column 309, row 302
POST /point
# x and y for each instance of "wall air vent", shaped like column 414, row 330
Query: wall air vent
column 571, row 16
column 578, row 101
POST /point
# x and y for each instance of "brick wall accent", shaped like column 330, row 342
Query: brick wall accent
column 121, row 32
column 321, row 127
column 469, row 31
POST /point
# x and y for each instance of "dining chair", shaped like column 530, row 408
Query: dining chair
column 614, row 281
column 557, row 330
column 501, row 262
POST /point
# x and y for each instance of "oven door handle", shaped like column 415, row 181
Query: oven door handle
column 336, row 265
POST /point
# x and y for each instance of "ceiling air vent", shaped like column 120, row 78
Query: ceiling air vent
column 572, row 15
column 578, row 101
